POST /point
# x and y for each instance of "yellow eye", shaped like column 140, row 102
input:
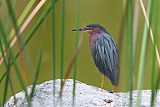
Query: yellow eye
column 91, row 28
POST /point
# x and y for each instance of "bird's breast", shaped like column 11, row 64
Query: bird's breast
column 92, row 40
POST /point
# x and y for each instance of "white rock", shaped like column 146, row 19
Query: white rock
column 86, row 96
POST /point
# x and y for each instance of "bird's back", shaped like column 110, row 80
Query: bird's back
column 105, row 56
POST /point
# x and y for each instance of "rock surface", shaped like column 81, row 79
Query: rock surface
column 86, row 96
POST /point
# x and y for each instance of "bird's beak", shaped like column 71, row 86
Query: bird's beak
column 81, row 29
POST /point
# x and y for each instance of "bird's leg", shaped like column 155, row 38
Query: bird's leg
column 115, row 89
column 103, row 77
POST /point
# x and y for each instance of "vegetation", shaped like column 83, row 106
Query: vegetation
column 137, row 42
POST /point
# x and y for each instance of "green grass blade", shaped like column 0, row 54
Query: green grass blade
column 7, row 66
column 34, row 29
column 38, row 23
column 153, row 73
column 13, row 93
column 11, row 13
column 0, row 2
column 22, row 17
column 6, row 87
column 3, row 54
column 36, row 75
column 142, row 58
column 155, row 28
column 53, row 46
column 62, row 39
column 12, row 59
column 3, row 76
column 130, row 46
column 30, row 36
column 8, row 22
column 76, row 43
column 36, row 26
column 7, row 80
column 0, row 103
column 122, row 42
column 16, row 28
column 158, row 80
column 4, row 58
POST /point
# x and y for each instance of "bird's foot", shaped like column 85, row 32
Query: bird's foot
column 115, row 89
column 102, row 83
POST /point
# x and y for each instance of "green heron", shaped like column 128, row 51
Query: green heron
column 104, row 52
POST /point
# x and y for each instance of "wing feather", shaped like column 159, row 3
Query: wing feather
column 105, row 56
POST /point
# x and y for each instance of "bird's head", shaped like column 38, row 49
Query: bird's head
column 92, row 29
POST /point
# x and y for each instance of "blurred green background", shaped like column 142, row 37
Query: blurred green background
column 105, row 12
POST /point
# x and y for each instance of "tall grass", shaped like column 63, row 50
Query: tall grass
column 36, row 76
column 141, row 70
column 21, row 18
column 129, row 31
column 7, row 25
column 53, row 47
column 62, row 39
column 12, row 58
column 16, row 67
column 76, row 43
column 155, row 21
column 129, row 28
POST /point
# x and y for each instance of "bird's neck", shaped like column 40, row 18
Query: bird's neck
column 93, row 38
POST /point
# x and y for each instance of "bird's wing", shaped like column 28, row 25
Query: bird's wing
column 105, row 56
column 113, row 60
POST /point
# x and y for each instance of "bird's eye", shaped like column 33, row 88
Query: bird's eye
column 91, row 28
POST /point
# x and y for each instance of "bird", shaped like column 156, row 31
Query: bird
column 104, row 52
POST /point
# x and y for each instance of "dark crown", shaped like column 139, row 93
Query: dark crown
column 97, row 26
